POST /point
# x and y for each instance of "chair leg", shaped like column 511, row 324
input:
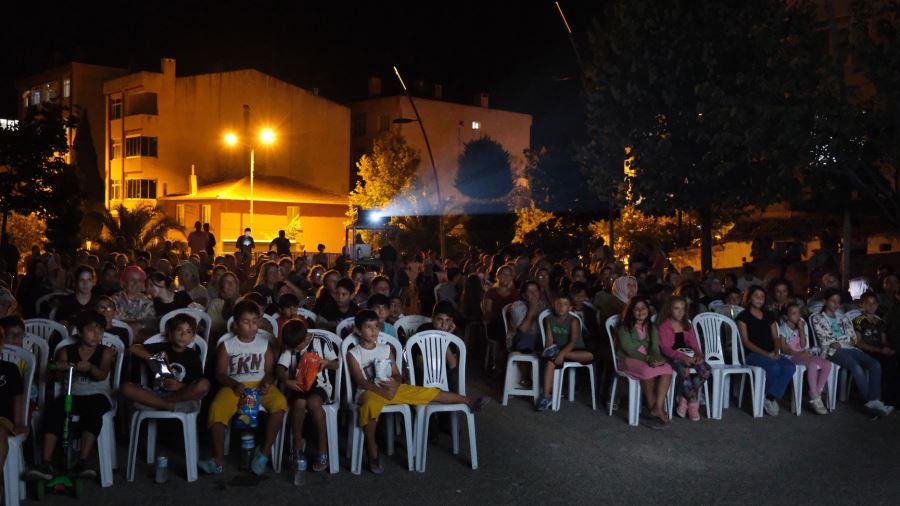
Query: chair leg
column 508, row 380
column 189, row 432
column 473, row 446
column 556, row 393
column 105, row 449
column 11, row 472
column 670, row 395
column 421, row 437
column 571, row 379
column 612, row 395
column 535, row 380
column 706, row 398
column 454, row 428
column 151, row 441
column 798, row 390
column 718, row 380
column 593, row 387
column 133, row 439
column 389, row 429
column 634, row 403
column 333, row 452
column 410, row 447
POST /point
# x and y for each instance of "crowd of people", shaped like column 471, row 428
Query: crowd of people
column 494, row 302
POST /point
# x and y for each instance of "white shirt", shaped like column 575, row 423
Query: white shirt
column 289, row 359
column 247, row 361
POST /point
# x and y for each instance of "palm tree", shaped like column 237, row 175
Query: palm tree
column 144, row 228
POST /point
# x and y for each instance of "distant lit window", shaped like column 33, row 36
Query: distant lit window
column 140, row 146
column 8, row 124
column 67, row 88
column 358, row 124
column 35, row 97
column 206, row 213
column 140, row 188
column 115, row 189
column 476, row 125
column 115, row 108
column 115, row 150
column 179, row 213
column 52, row 91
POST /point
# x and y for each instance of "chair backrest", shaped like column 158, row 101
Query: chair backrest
column 260, row 332
column 345, row 324
column 853, row 313
column 611, row 323
column 729, row 310
column 434, row 344
column 122, row 325
column 331, row 339
column 269, row 318
column 437, row 294
column 43, row 299
column 708, row 329
column 204, row 321
column 274, row 322
column 410, row 324
column 19, row 356
column 40, row 348
column 306, row 313
column 351, row 341
column 546, row 314
column 112, row 341
column 504, row 315
column 44, row 328
column 715, row 304
column 200, row 344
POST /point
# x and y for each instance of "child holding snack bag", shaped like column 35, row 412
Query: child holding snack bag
column 244, row 367
column 301, row 369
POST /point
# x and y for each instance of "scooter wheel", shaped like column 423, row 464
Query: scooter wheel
column 40, row 488
column 79, row 488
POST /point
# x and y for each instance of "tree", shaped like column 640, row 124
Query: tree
column 33, row 166
column 484, row 170
column 708, row 102
column 387, row 177
column 143, row 228
column 90, row 184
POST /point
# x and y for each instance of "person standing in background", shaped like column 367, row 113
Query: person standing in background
column 211, row 242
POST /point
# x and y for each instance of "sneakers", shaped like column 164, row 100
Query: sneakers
column 771, row 407
column 83, row 470
column 543, row 404
column 682, row 407
column 43, row 472
column 209, row 466
column 693, row 408
column 879, row 408
column 321, row 463
column 375, row 465
column 258, row 464
column 818, row 406
column 550, row 352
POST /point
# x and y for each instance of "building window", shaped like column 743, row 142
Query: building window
column 35, row 97
column 52, row 91
column 115, row 189
column 476, row 125
column 115, row 108
column 8, row 124
column 140, row 188
column 115, row 150
column 179, row 214
column 292, row 212
column 384, row 123
column 205, row 213
column 142, row 103
column 67, row 88
column 140, row 146
column 358, row 124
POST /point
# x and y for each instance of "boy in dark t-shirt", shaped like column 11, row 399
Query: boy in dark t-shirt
column 11, row 408
column 187, row 388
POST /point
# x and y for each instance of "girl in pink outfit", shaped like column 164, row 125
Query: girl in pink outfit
column 795, row 344
column 678, row 343
column 639, row 356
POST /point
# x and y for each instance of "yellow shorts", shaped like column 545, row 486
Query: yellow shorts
column 371, row 404
column 225, row 404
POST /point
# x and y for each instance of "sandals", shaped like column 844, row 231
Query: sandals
column 321, row 463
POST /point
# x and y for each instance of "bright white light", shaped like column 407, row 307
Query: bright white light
column 375, row 216
column 476, row 125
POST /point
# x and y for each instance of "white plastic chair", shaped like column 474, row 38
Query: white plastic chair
column 41, row 350
column 511, row 386
column 797, row 380
column 204, row 321
column 356, row 435
column 729, row 310
column 853, row 313
column 708, row 329
column 14, row 489
column 273, row 322
column 44, row 328
column 106, row 441
column 278, row 444
column 567, row 365
column 306, row 313
column 43, row 299
column 410, row 324
column 345, row 324
column 433, row 345
column 333, row 405
column 188, row 424
column 634, row 386
column 122, row 325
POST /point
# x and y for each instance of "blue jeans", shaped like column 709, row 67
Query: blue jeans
column 779, row 373
column 859, row 363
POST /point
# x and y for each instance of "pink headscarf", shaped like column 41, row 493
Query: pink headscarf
column 620, row 287
column 132, row 269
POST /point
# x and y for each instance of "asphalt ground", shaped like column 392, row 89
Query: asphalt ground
column 574, row 456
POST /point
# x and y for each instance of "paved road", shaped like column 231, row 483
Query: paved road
column 580, row 456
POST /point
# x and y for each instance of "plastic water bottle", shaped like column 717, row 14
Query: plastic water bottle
column 248, row 444
column 162, row 469
column 300, row 472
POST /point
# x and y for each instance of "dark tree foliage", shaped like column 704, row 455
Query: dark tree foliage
column 484, row 170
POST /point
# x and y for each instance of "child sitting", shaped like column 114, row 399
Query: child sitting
column 678, row 342
column 395, row 311
column 639, row 357
column 12, row 417
column 288, row 304
column 344, row 307
column 563, row 334
column 381, row 305
column 795, row 344
column 297, row 342
column 91, row 392
column 13, row 329
column 244, row 361
column 374, row 393
column 184, row 391
column 106, row 306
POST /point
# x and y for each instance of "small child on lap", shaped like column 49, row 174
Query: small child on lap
column 374, row 394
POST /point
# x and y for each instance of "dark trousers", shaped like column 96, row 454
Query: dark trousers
column 88, row 410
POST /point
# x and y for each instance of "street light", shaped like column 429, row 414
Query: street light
column 266, row 137
column 437, row 184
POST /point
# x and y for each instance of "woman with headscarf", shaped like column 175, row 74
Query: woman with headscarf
column 132, row 304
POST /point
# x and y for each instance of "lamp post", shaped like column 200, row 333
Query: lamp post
column 266, row 137
column 437, row 184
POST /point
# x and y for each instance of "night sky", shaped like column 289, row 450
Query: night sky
column 516, row 51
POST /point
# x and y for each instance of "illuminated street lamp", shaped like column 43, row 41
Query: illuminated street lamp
column 266, row 137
